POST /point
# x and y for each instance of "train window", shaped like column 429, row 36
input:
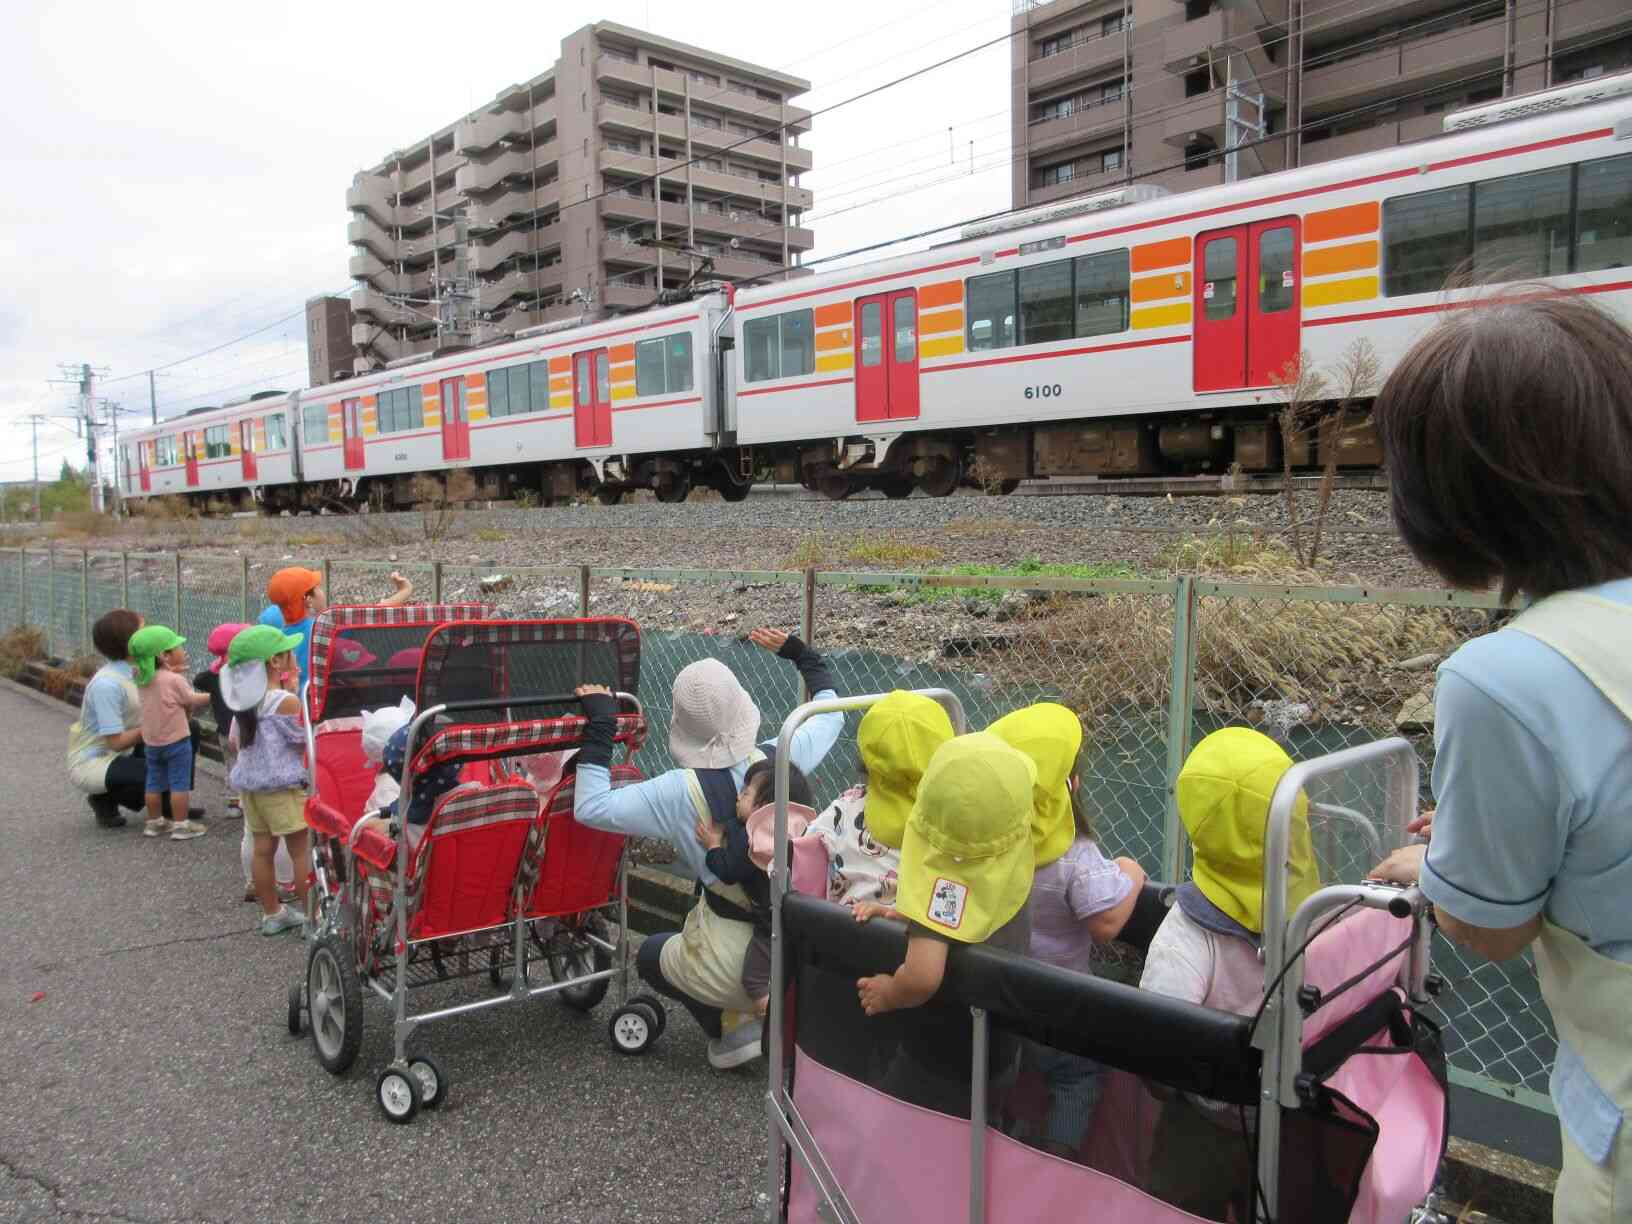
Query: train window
column 1276, row 264
column 1521, row 226
column 872, row 333
column 400, row 409
column 1046, row 309
column 275, row 439
column 679, row 354
column 580, row 382
column 603, row 378
column 1102, row 293
column 905, row 310
column 1218, row 270
column 314, row 423
column 1425, row 236
column 783, row 346
column 991, row 310
column 651, row 370
column 164, row 451
column 1603, row 214
column 216, row 445
column 498, row 393
column 538, row 388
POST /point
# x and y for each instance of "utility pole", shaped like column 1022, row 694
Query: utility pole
column 83, row 376
column 34, row 420
column 1238, row 129
column 152, row 398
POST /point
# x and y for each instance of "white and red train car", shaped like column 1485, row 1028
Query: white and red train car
column 1133, row 333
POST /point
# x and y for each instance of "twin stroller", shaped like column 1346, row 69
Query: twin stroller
column 501, row 880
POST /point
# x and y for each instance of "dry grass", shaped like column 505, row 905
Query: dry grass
column 882, row 550
column 490, row 535
column 1241, row 551
column 85, row 525
column 18, row 648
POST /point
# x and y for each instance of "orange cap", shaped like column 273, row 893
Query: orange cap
column 288, row 589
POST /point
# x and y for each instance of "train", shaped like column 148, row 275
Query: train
column 1130, row 333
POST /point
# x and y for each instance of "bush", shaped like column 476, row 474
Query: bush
column 18, row 648
column 86, row 523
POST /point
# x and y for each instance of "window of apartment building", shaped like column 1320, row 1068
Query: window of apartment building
column 314, row 423
column 663, row 365
column 1063, row 41
column 216, row 445
column 1109, row 160
column 622, row 146
column 1195, row 10
column 276, row 438
column 164, row 451
column 1110, row 25
column 1199, row 154
column 400, row 409
column 707, row 121
column 1198, row 82
column 782, row 346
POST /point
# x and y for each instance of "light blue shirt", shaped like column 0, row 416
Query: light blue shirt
column 102, row 711
column 661, row 806
column 1533, row 778
column 273, row 615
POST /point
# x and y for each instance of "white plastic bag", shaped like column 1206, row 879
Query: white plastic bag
column 380, row 725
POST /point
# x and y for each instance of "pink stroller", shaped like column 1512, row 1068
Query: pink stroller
column 1329, row 1105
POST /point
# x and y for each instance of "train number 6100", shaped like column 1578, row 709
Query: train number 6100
column 1044, row 391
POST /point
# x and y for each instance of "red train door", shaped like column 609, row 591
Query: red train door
column 246, row 448
column 1274, row 302
column 1247, row 305
column 455, row 424
column 351, row 433
column 887, row 357
column 592, row 398
column 142, row 472
column 190, row 448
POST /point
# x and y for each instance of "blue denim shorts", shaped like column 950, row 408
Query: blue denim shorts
column 169, row 767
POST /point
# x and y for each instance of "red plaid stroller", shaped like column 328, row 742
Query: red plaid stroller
column 499, row 876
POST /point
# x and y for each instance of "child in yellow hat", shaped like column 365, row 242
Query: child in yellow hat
column 1079, row 898
column 1207, row 949
column 966, row 867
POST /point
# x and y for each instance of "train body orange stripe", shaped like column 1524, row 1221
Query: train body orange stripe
column 620, row 353
column 838, row 338
column 1346, row 222
column 945, row 293
column 1350, row 257
column 1154, row 255
column 1159, row 288
column 836, row 312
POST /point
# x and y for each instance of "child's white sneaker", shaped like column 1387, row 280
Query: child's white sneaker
column 186, row 830
column 157, row 828
column 284, row 920
column 235, row 808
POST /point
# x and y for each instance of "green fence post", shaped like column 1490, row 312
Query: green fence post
column 84, row 600
column 124, row 580
column 807, row 621
column 328, row 586
column 177, row 625
column 436, row 582
column 50, row 599
column 1181, row 691
column 22, row 586
column 243, row 587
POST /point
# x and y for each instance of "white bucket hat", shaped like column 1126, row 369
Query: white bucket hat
column 714, row 721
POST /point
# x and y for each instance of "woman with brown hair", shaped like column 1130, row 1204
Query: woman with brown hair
column 1508, row 437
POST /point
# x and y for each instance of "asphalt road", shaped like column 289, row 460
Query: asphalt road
column 148, row 1075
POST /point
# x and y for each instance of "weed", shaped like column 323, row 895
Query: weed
column 884, row 550
column 1029, row 568
column 812, row 551
column 19, row 647
column 525, row 499
column 87, row 524
column 1232, row 548
column 491, row 535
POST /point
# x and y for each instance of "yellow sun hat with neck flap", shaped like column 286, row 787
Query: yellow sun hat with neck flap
column 897, row 737
column 1051, row 736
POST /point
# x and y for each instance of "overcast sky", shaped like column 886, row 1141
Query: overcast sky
column 173, row 175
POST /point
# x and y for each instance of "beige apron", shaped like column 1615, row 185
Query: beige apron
column 706, row 960
column 88, row 757
column 1590, row 995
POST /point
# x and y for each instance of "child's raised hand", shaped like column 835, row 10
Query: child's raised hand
column 864, row 910
column 709, row 835
column 586, row 690
column 400, row 583
column 874, row 993
column 770, row 639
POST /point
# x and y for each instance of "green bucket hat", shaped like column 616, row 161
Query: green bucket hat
column 147, row 644
column 243, row 679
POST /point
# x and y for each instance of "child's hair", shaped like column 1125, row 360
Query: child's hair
column 248, row 721
column 1080, row 810
column 762, row 775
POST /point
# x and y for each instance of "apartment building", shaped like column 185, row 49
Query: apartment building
column 329, row 352
column 632, row 165
column 1110, row 91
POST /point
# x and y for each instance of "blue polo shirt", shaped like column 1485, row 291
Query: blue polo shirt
column 1533, row 779
column 273, row 615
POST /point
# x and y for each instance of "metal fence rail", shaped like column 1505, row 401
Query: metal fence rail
column 1150, row 666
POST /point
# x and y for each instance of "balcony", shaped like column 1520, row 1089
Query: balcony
column 512, row 244
column 626, row 252
column 642, row 166
column 628, row 297
column 1088, row 123
column 611, row 69
column 511, row 203
column 1583, row 18
column 373, row 194
column 1203, row 113
column 1090, row 55
column 363, row 231
column 486, row 132
column 1420, row 63
column 383, row 346
column 742, row 265
column 494, row 294
column 1083, row 184
column 1185, row 44
column 706, row 218
column 369, row 304
column 475, row 178
column 672, row 128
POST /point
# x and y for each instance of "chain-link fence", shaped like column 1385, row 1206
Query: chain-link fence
column 1150, row 666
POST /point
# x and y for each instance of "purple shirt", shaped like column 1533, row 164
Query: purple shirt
column 1080, row 883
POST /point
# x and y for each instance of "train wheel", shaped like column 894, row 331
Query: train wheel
column 940, row 478
column 835, row 486
column 673, row 487
column 609, row 495
column 896, row 487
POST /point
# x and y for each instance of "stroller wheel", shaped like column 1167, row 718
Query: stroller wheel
column 297, row 1006
column 497, row 971
column 580, row 959
column 397, row 1091
column 334, row 1003
column 433, row 1080
column 632, row 1029
column 660, row 1017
